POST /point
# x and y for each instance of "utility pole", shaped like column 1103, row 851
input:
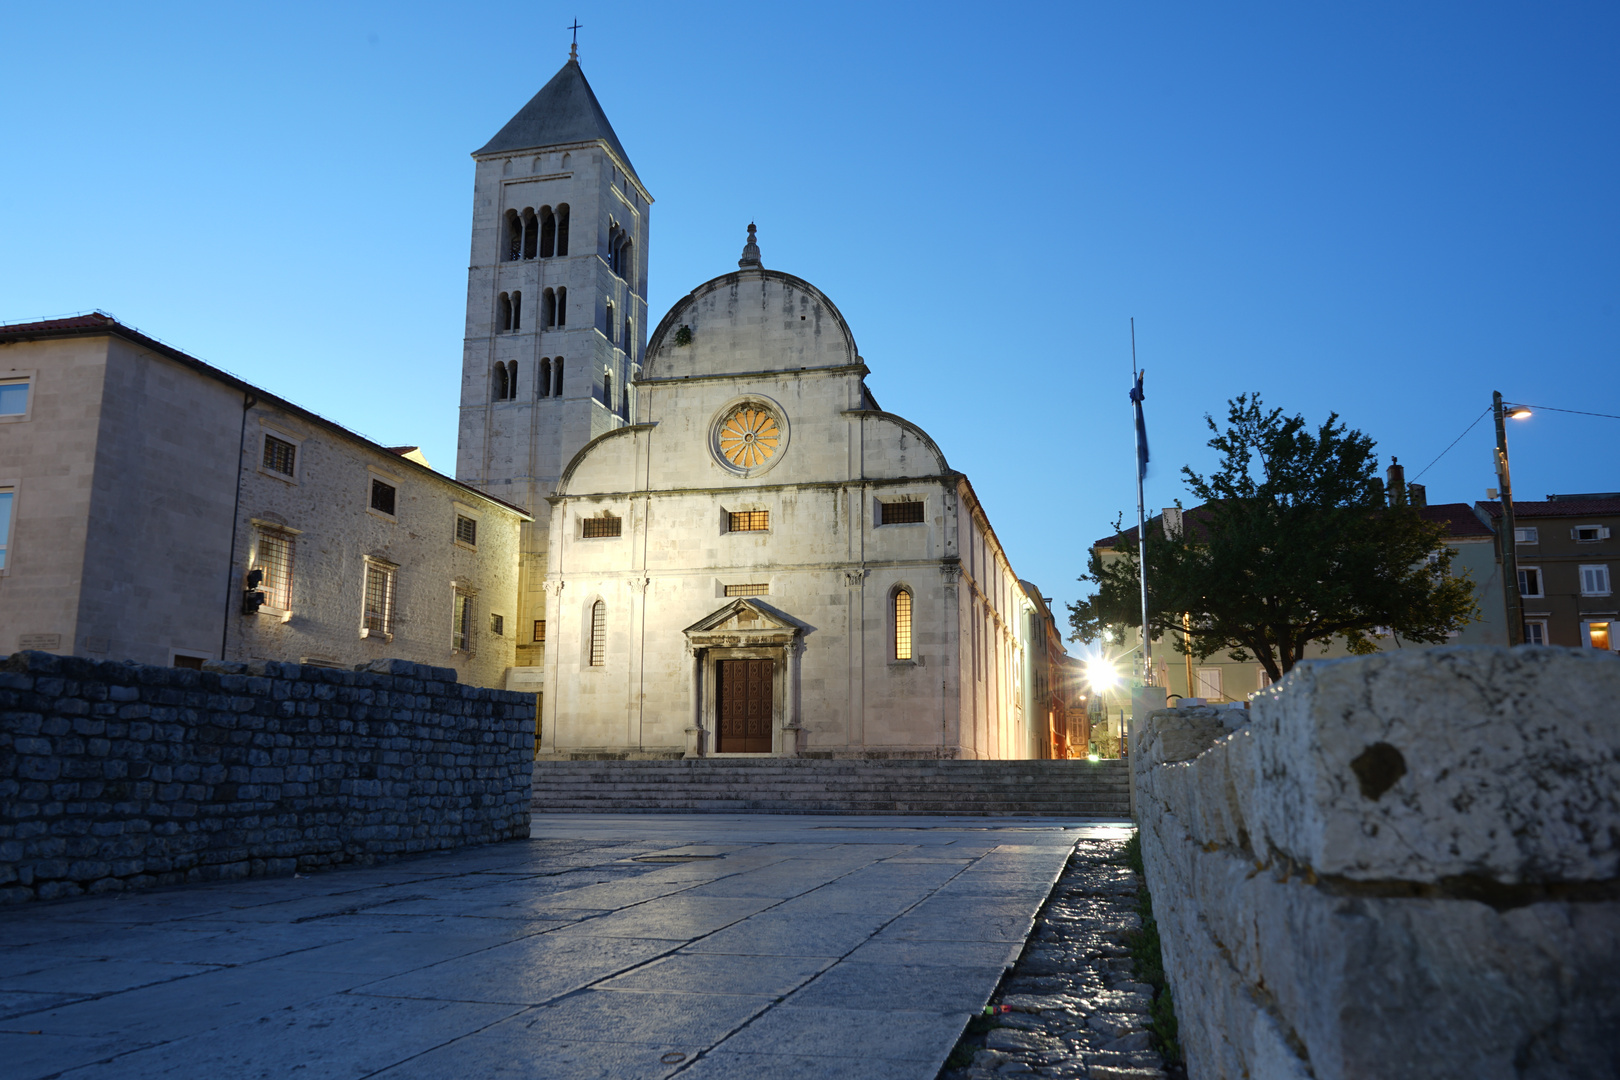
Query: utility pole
column 1508, row 538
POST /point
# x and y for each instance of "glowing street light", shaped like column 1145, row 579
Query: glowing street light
column 1100, row 672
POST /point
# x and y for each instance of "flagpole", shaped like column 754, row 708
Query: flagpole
column 1141, row 510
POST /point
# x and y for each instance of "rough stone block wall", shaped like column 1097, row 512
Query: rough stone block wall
column 116, row 776
column 1405, row 865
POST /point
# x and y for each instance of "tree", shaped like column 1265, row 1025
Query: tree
column 1295, row 543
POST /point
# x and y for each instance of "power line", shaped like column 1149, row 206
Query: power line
column 1455, row 441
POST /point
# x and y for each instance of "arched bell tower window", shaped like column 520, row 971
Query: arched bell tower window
column 543, row 383
column 548, row 308
column 629, row 337
column 607, row 323
column 598, row 640
column 548, row 232
column 517, row 311
column 556, row 386
column 900, row 601
column 531, row 235
column 503, row 383
column 607, row 390
column 514, row 235
column 503, row 313
column 562, row 229
column 562, row 305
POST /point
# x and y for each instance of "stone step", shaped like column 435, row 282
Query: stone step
column 835, row 786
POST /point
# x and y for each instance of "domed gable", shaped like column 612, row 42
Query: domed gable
column 751, row 320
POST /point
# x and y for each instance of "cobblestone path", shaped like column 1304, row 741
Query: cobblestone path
column 1074, row 1009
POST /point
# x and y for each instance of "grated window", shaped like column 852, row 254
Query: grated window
column 382, row 497
column 274, row 558
column 467, row 530
column 279, row 455
column 902, row 513
column 750, row 520
column 540, row 631
column 379, row 612
column 902, row 625
column 497, row 625
column 598, row 633
column 759, row 589
column 606, row 525
column 461, row 625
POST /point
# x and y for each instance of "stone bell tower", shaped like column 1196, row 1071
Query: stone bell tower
column 556, row 310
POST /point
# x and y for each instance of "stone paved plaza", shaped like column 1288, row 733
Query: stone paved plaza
column 627, row 946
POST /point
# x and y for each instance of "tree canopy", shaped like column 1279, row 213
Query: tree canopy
column 1295, row 543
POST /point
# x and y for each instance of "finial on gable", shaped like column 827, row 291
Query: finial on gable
column 750, row 256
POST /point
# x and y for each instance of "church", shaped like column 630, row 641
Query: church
column 734, row 549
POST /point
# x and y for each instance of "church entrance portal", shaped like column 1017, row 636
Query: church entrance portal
column 745, row 706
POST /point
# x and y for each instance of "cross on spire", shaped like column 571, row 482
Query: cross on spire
column 573, row 51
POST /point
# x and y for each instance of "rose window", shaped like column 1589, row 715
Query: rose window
column 749, row 437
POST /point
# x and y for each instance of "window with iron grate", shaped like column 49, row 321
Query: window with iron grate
column 497, row 624
column 606, row 525
column 273, row 556
column 750, row 521
column 280, row 456
column 902, row 624
column 902, row 513
column 540, row 631
column 758, row 589
column 377, row 618
column 467, row 530
column 461, row 623
column 598, row 634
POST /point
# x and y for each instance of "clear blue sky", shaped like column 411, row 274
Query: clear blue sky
column 1383, row 209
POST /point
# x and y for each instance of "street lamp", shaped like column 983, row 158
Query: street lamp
column 1510, row 557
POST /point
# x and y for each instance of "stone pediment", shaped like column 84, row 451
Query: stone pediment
column 745, row 620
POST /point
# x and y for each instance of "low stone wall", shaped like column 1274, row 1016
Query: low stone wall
column 118, row 775
column 1395, row 866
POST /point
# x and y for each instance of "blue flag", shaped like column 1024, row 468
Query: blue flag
column 1141, row 428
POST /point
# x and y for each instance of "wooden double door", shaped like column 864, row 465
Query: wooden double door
column 745, row 707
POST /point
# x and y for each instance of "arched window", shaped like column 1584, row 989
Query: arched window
column 543, row 383
column 562, row 306
column 902, row 624
column 503, row 384
column 514, row 235
column 548, row 232
column 625, row 412
column 517, row 311
column 531, row 235
column 627, row 263
column 562, row 229
column 548, row 308
column 629, row 337
column 503, row 313
column 598, row 634
column 607, row 391
column 511, row 383
column 556, row 387
column 607, row 324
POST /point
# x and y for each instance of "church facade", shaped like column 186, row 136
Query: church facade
column 735, row 550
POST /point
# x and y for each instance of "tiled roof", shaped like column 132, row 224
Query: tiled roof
column 1458, row 518
column 1563, row 508
column 100, row 322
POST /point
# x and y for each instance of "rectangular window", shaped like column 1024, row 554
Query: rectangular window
column 378, row 618
column 750, row 520
column 467, row 530
column 461, row 623
column 14, row 398
column 1594, row 581
column 497, row 624
column 1588, row 534
column 1535, row 632
column 760, row 589
column 1209, row 684
column 902, row 513
column 1531, row 535
column 5, row 527
column 1597, row 635
column 279, row 455
column 382, row 497
column 540, row 631
column 606, row 525
column 598, row 634
column 1530, row 581
column 273, row 558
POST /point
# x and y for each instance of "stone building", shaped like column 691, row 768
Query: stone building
column 154, row 508
column 766, row 562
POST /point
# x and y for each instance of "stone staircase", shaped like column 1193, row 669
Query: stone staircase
column 1098, row 789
